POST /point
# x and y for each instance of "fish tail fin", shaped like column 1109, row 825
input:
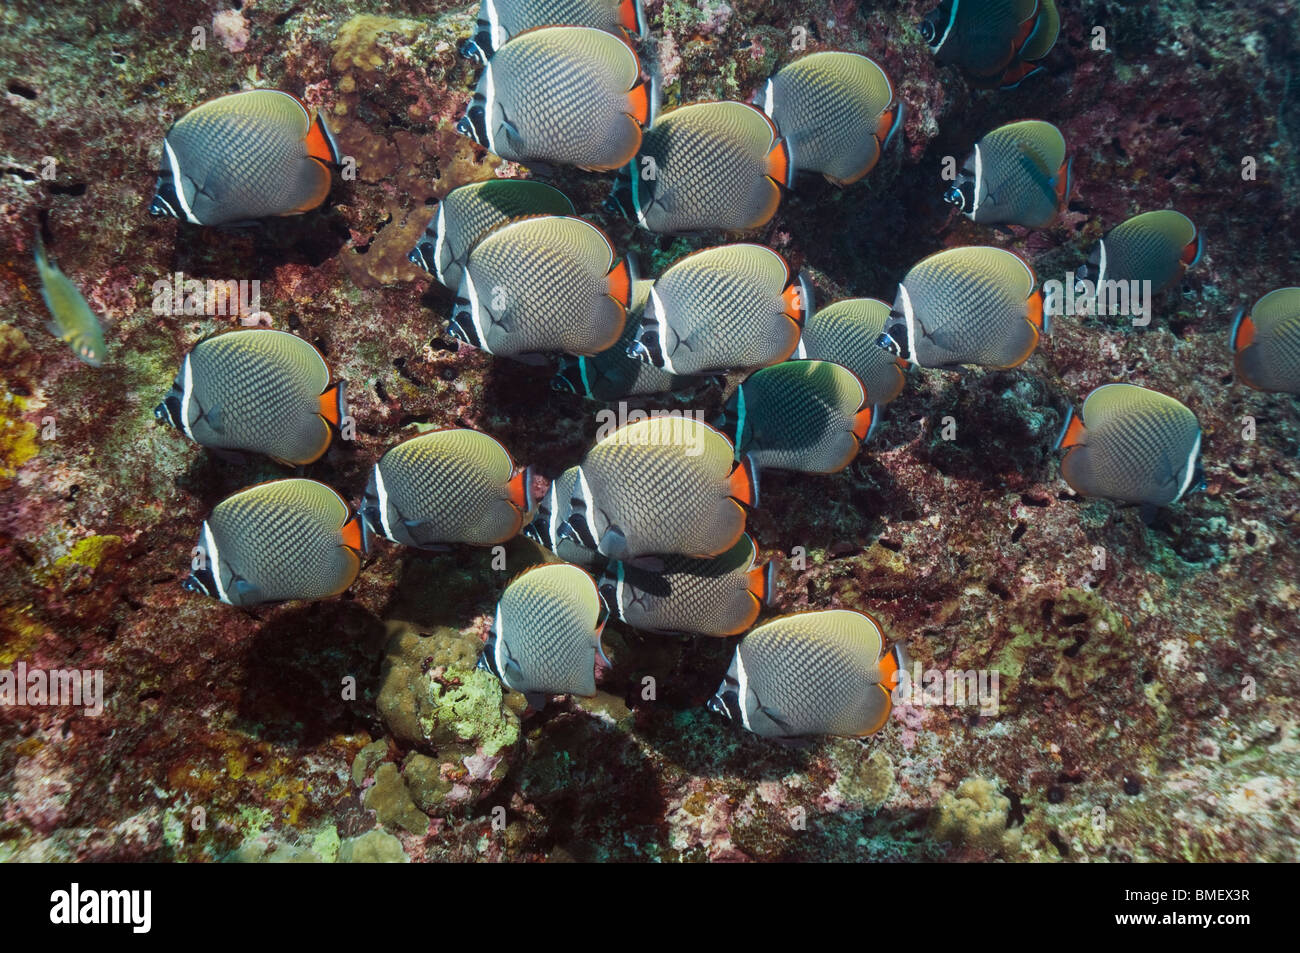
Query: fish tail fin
column 780, row 163
column 762, row 582
column 320, row 142
column 516, row 489
column 1243, row 331
column 640, row 102
column 1064, row 183
column 631, row 17
column 1036, row 313
column 42, row 260
column 519, row 489
column 334, row 404
column 891, row 663
column 1072, row 432
column 798, row 299
column 744, row 482
column 1017, row 73
column 621, row 279
column 864, row 422
column 887, row 125
column 354, row 535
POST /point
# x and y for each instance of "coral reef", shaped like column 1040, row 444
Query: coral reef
column 1149, row 681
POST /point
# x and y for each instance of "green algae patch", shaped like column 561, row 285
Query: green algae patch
column 391, row 801
column 18, row 636
column 454, row 720
column 363, row 42
column 372, row 847
column 88, row 553
column 17, row 439
column 863, row 780
column 325, row 844
column 975, row 816
column 76, row 569
column 1074, row 641
column 472, row 709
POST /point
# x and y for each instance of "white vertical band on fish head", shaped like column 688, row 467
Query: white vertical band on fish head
column 979, row 182
column 439, row 241
column 1101, row 263
column 656, row 307
column 495, row 30
column 489, row 102
column 767, row 97
column 589, row 499
column 553, row 521
column 801, row 351
column 952, row 20
column 742, row 692
column 381, row 492
column 476, row 312
column 187, row 395
column 740, row 417
column 176, row 184
column 637, row 207
column 499, row 649
column 586, row 380
column 909, row 319
column 214, row 561
column 1190, row 468
column 618, row 589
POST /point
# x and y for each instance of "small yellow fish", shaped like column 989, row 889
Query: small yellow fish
column 73, row 322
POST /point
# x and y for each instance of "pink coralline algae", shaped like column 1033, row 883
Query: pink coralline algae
column 231, row 29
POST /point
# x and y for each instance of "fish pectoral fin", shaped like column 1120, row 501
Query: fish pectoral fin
column 214, row 416
column 416, row 530
column 613, row 543
column 649, row 564
column 247, row 591
column 777, row 716
column 537, row 700
column 1148, row 512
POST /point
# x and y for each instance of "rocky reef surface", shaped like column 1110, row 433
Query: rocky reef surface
column 1148, row 675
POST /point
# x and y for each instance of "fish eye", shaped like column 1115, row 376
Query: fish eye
column 927, row 31
column 954, row 197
